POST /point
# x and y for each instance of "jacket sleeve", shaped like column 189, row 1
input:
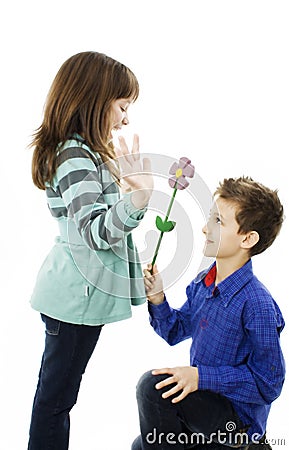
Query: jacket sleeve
column 261, row 378
column 84, row 187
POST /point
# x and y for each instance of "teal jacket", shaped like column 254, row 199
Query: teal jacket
column 92, row 275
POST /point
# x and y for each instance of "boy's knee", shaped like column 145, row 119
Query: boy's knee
column 146, row 385
column 137, row 444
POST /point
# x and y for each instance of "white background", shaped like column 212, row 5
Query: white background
column 214, row 87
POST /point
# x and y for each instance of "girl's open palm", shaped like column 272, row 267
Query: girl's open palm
column 136, row 173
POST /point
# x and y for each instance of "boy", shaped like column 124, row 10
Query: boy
column 236, row 370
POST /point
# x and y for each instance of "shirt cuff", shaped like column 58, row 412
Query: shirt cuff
column 209, row 378
column 131, row 210
column 160, row 311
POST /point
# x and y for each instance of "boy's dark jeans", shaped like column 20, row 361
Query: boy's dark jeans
column 68, row 348
column 200, row 417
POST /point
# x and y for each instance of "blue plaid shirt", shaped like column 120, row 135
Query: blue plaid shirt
column 235, row 330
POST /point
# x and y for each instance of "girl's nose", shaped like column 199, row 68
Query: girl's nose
column 205, row 229
column 125, row 120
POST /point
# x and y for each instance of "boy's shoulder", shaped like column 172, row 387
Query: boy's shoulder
column 258, row 305
column 242, row 287
column 258, row 299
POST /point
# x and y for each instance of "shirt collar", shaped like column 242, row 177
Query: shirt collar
column 228, row 287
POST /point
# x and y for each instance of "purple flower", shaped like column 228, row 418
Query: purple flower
column 180, row 171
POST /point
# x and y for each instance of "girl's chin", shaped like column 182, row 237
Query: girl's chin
column 112, row 135
column 110, row 138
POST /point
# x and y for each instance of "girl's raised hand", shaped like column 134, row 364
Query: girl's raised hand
column 136, row 173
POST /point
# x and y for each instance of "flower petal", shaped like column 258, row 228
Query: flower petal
column 182, row 183
column 189, row 171
column 172, row 182
column 188, row 168
column 184, row 162
column 174, row 168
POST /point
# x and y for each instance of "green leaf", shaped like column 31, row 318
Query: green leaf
column 165, row 226
column 170, row 225
column 159, row 223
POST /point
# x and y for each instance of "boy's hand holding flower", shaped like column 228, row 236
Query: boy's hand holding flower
column 153, row 285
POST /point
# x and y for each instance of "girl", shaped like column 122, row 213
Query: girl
column 92, row 274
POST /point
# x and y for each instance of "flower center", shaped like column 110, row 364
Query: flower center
column 179, row 173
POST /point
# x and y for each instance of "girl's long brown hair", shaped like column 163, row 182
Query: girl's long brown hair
column 79, row 101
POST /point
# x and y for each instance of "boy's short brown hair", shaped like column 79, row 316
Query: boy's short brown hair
column 258, row 209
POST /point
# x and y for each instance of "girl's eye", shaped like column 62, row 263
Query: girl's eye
column 218, row 220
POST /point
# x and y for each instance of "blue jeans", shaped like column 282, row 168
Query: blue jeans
column 202, row 420
column 68, row 348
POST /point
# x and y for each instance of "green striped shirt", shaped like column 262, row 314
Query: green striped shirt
column 92, row 275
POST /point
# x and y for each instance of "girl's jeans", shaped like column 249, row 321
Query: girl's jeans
column 68, row 348
column 202, row 420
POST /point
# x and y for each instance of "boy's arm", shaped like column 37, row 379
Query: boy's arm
column 171, row 324
column 260, row 380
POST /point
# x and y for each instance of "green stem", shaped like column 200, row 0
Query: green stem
column 162, row 233
column 171, row 204
column 157, row 250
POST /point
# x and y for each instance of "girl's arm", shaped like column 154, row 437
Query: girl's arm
column 85, row 189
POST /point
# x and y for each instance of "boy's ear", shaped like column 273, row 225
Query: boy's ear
column 250, row 239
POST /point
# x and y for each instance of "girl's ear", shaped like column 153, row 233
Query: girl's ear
column 250, row 239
